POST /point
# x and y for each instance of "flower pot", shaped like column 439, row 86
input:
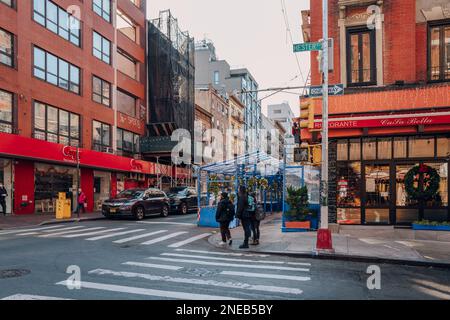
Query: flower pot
column 298, row 224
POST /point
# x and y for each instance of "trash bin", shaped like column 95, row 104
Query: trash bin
column 63, row 207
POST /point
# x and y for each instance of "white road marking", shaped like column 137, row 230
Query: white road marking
column 372, row 241
column 68, row 231
column 160, row 239
column 229, row 259
column 151, row 265
column 145, row 235
column 223, row 264
column 147, row 292
column 184, row 242
column 115, row 234
column 410, row 244
column 233, row 285
column 168, row 222
column 28, row 230
column 31, row 297
column 265, row 275
column 225, row 253
column 91, row 233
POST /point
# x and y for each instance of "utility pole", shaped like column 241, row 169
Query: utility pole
column 324, row 175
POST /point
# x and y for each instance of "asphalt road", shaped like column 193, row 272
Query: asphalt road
column 170, row 258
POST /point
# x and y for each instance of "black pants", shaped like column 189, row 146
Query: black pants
column 247, row 226
column 81, row 208
column 225, row 230
column 255, row 228
column 3, row 204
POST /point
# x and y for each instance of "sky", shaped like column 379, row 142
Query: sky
column 251, row 34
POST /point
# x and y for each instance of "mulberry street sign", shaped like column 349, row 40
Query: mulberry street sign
column 334, row 90
column 309, row 46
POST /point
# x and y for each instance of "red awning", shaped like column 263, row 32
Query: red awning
column 22, row 147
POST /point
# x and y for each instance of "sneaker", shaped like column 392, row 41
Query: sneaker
column 230, row 242
column 222, row 243
column 243, row 246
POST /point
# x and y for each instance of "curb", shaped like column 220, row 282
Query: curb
column 341, row 257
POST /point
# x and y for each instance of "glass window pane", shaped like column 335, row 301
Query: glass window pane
column 6, row 47
column 384, row 148
column 52, row 17
column 75, row 126
column 97, row 132
column 421, row 147
column 126, row 65
column 349, row 184
column 63, row 74
column 63, row 24
column 369, row 149
column 366, row 57
column 39, row 11
column 39, row 116
column 400, row 148
column 126, row 103
column 63, row 123
column 408, row 215
column 342, row 150
column 377, row 215
column 377, row 185
column 52, row 69
column 354, row 57
column 39, row 63
column 349, row 215
column 447, row 52
column 6, row 106
column 440, row 199
column 106, row 135
column 119, row 138
column 52, row 119
column 355, row 149
column 443, row 147
column 403, row 200
column 435, row 56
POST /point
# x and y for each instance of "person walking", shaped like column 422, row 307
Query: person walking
column 242, row 213
column 3, row 195
column 254, row 221
column 224, row 215
column 81, row 201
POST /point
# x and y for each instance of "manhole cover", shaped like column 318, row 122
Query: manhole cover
column 13, row 273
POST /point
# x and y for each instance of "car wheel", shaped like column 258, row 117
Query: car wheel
column 139, row 213
column 164, row 211
column 183, row 208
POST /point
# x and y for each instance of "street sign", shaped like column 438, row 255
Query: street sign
column 334, row 90
column 309, row 46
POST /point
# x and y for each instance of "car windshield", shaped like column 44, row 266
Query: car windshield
column 177, row 190
column 130, row 194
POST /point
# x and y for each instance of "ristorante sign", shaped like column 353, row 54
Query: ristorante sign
column 403, row 120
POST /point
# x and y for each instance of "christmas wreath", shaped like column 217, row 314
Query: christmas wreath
column 430, row 182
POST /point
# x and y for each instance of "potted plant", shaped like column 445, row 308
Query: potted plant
column 431, row 225
column 298, row 215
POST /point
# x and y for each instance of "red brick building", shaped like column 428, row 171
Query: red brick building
column 394, row 59
column 72, row 74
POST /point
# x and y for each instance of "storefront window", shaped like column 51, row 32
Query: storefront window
column 384, row 149
column 403, row 200
column 349, row 215
column 377, row 215
column 6, row 111
column 349, row 183
column 342, row 150
column 370, row 149
column 377, row 186
column 355, row 149
column 441, row 197
column 6, row 175
column 421, row 147
column 400, row 148
column 102, row 188
column 443, row 146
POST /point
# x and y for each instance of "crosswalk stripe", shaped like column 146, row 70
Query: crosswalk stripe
column 151, row 265
column 147, row 292
column 225, row 253
column 68, row 230
column 116, row 234
column 27, row 230
column 168, row 222
column 145, row 235
column 265, row 275
column 227, row 259
column 184, row 242
column 20, row 296
column 214, row 283
column 223, row 264
column 84, row 234
column 169, row 236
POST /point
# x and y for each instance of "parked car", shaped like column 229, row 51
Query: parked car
column 182, row 199
column 137, row 203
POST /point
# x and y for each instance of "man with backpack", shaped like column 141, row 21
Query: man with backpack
column 224, row 215
column 257, row 216
column 243, row 214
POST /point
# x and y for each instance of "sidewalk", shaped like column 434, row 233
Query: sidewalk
column 381, row 250
column 19, row 221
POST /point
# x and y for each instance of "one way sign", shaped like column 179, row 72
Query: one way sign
column 333, row 90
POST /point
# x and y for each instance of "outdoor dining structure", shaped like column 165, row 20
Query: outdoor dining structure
column 262, row 174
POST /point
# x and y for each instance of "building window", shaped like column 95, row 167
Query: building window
column 126, row 25
column 9, row 3
column 127, row 142
column 6, row 111
column 126, row 103
column 439, row 52
column 361, row 57
column 101, row 91
column 57, row 20
column 56, row 125
column 126, row 64
column 216, row 77
column 56, row 71
column 101, row 136
column 102, row 8
column 6, row 48
column 101, row 48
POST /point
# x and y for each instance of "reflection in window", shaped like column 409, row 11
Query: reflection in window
column 6, row 48
column 369, row 149
column 403, row 200
column 355, row 149
column 101, row 48
column 443, row 147
column 384, row 148
column 126, row 64
column 377, row 215
column 349, row 215
column 101, row 136
column 439, row 44
column 342, row 150
column 126, row 103
column 377, row 185
column 400, row 148
column 6, row 111
column 421, row 147
column 349, row 183
column 126, row 25
column 441, row 197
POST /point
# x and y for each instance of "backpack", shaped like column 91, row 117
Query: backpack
column 260, row 213
column 251, row 204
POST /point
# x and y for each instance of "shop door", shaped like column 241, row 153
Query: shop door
column 377, row 194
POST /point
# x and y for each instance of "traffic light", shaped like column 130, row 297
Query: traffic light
column 307, row 114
